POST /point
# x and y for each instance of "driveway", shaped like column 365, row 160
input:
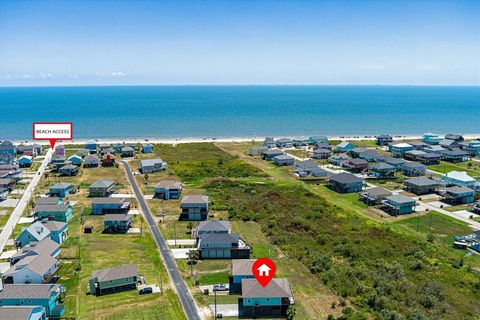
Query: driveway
column 226, row 310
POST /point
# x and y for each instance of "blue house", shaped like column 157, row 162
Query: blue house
column 271, row 301
column 472, row 148
column 240, row 269
column 25, row 161
column 382, row 170
column 23, row 313
column 399, row 149
column 110, row 205
column 35, row 232
column 317, row 139
column 345, row 146
column 60, row 212
column 117, row 222
column 455, row 155
column 58, row 230
column 147, row 148
column 212, row 226
column 459, row 178
column 61, row 189
column 459, row 194
column 168, row 189
column 399, row 204
column 75, row 160
column 43, row 295
column 396, row 162
column 91, row 145
column 7, row 148
column 432, row 138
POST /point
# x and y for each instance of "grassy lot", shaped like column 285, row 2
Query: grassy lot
column 356, row 257
column 299, row 153
column 471, row 167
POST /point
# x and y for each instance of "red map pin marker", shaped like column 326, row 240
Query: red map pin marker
column 264, row 270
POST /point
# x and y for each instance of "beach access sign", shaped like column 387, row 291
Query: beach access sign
column 52, row 131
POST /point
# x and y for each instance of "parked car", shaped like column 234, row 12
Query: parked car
column 220, row 287
column 146, row 290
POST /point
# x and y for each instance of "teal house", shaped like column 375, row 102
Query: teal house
column 111, row 280
column 43, row 295
column 459, row 194
column 168, row 189
column 61, row 189
column 75, row 160
column 399, row 204
column 58, row 230
column 432, row 138
column 382, row 170
column 345, row 146
column 117, row 222
column 399, row 149
column 271, row 301
column 25, row 161
column 23, row 313
column 91, row 145
column 472, row 148
column 59, row 212
column 35, row 232
column 147, row 148
column 240, row 269
column 317, row 139
column 7, row 148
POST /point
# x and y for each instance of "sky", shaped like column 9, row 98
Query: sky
column 51, row 43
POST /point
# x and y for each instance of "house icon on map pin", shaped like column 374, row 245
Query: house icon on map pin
column 264, row 270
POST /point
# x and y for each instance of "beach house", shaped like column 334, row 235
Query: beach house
column 102, row 188
column 43, row 295
column 117, row 222
column 111, row 280
column 58, row 212
column 59, row 150
column 345, row 183
column 432, row 138
column 61, row 189
column 382, row 170
column 384, row 139
column 7, row 184
column 356, row 152
column 109, row 205
column 420, row 185
column 284, row 143
column 399, row 204
column 68, row 170
column 46, row 246
column 3, row 194
column 36, row 269
column 8, row 148
column 317, row 139
column 25, row 161
column 433, row 149
column 22, row 313
column 374, row 196
column 270, row 154
column 240, row 269
column 418, row 145
column 91, row 161
column 371, row 156
column 472, row 148
column 454, row 136
column 344, row 146
column 395, row 162
column 399, row 149
column 33, row 233
column 283, row 160
column 414, row 154
column 75, row 160
column 271, row 301
column 449, row 144
column 459, row 178
column 222, row 246
column 320, row 153
column 127, row 151
column 105, row 148
column 147, row 148
column 212, row 226
column 194, row 208
column 152, row 165
column 356, row 165
column 455, row 155
column 167, row 189
column 414, row 169
column 82, row 152
column 108, row 160
column 91, row 145
column 269, row 142
column 58, row 230
column 458, row 194
column 339, row 159
column 257, row 150
column 429, row 158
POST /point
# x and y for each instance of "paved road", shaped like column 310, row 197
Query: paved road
column 186, row 298
column 22, row 204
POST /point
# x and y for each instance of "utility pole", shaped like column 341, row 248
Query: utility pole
column 215, row 294
column 175, row 232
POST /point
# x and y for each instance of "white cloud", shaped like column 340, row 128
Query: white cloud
column 27, row 76
column 372, row 66
column 117, row 74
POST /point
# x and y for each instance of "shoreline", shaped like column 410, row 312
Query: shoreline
column 175, row 141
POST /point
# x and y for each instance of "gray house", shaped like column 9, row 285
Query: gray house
column 321, row 153
column 101, row 188
column 270, row 154
column 283, row 160
column 399, row 204
column 111, row 280
column 421, row 185
column 414, row 169
column 194, row 208
column 212, row 226
column 152, row 165
column 374, row 196
column 91, row 161
column 222, row 246
column 345, row 183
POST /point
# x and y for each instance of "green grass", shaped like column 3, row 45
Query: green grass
column 471, row 167
column 214, row 278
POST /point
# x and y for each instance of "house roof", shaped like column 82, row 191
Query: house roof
column 284, row 140
column 382, row 166
column 378, row 192
column 418, row 143
column 402, row 145
column 459, row 190
column 168, row 184
column 242, row 266
column 273, row 152
column 219, row 237
column 213, row 225
column 91, row 142
column 454, row 152
column 345, row 178
column 358, row 161
column 459, row 175
column 29, row 291
column 306, row 164
column 68, row 167
column 318, row 170
column 434, row 148
column 393, row 160
column 413, row 165
column 195, row 198
column 46, row 246
column 283, row 157
column 415, row 152
column 38, row 230
column 127, row 149
column 102, row 184
column 359, row 150
column 91, row 158
column 117, row 217
column 50, row 207
column 150, row 162
column 75, row 156
column 17, row 312
column 47, row 200
column 6, row 181
column 400, row 198
column 114, row 273
column 447, row 142
column 322, row 145
column 54, row 225
column 341, row 156
column 343, row 144
column 276, row 288
column 322, row 150
column 107, row 200
column 421, row 181
column 40, row 264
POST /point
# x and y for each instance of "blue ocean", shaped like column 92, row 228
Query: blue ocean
column 139, row 112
